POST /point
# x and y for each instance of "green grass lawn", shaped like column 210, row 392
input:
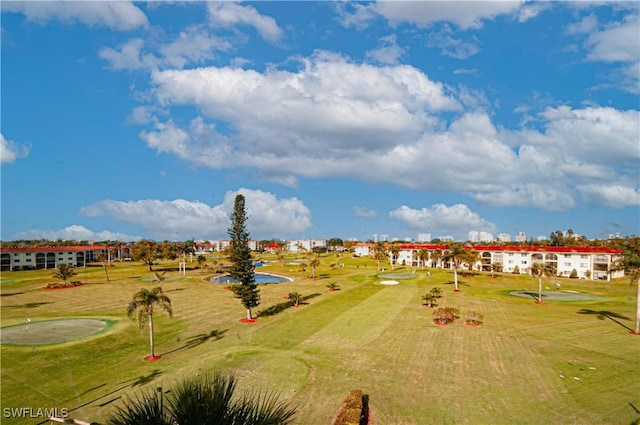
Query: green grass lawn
column 556, row 363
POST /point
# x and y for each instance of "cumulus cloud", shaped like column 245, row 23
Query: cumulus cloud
column 230, row 14
column 457, row 219
column 116, row 15
column 10, row 151
column 76, row 233
column 180, row 219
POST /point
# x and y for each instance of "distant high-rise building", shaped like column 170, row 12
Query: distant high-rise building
column 424, row 237
column 447, row 238
column 474, row 236
column 521, row 237
column 542, row 238
column 374, row 237
column 384, row 238
column 485, row 237
column 615, row 235
column 504, row 237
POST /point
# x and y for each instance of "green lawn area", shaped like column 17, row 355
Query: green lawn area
column 556, row 363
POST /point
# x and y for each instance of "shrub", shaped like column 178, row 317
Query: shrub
column 474, row 317
column 442, row 316
column 352, row 409
column 454, row 313
column 436, row 292
column 516, row 270
column 574, row 274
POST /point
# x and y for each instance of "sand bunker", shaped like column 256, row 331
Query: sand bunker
column 389, row 282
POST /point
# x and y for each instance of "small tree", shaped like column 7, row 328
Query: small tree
column 574, row 274
column 295, row 297
column 201, row 261
column 430, row 300
column 159, row 277
column 436, row 292
column 516, row 270
column 63, row 272
column 143, row 302
column 242, row 268
column 333, row 286
column 539, row 270
column 313, row 263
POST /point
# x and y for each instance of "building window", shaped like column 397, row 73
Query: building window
column 566, row 264
column 567, row 255
column 584, row 257
column 583, row 265
column 523, row 262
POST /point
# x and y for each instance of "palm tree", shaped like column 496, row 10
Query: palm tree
column 143, row 302
column 423, row 256
column 313, row 263
column 103, row 260
column 63, row 272
column 296, row 297
column 159, row 277
column 208, row 399
column 539, row 270
column 435, row 257
column 456, row 255
column 394, row 250
column 379, row 253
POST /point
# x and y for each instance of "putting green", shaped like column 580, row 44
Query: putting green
column 52, row 331
column 555, row 295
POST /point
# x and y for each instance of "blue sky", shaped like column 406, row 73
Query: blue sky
column 125, row 120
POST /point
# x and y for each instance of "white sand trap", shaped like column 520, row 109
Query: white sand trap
column 389, row 282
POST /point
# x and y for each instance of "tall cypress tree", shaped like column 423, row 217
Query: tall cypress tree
column 241, row 261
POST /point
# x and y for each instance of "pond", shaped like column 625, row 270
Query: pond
column 261, row 278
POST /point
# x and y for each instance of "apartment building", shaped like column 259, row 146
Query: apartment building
column 588, row 262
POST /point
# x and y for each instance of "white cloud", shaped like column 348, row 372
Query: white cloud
column 363, row 212
column 531, row 10
column 116, row 15
column 10, row 151
column 453, row 47
column 457, row 219
column 586, row 25
column 194, row 45
column 75, row 233
column 352, row 14
column 388, row 52
column 180, row 219
column 128, row 55
column 335, row 118
column 612, row 195
column 618, row 43
column 229, row 14
column 464, row 14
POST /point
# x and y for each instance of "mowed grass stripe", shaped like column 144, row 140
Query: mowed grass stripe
column 365, row 321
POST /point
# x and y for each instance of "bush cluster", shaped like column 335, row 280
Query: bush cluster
column 353, row 410
column 445, row 315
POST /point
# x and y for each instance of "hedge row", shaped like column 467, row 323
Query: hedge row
column 354, row 410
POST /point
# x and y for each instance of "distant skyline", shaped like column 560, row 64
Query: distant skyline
column 125, row 120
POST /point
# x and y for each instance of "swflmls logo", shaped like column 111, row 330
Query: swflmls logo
column 30, row 412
